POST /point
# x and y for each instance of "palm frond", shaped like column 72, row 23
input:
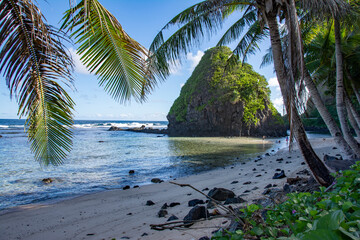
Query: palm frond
column 249, row 42
column 325, row 8
column 234, row 32
column 267, row 58
column 33, row 59
column 109, row 52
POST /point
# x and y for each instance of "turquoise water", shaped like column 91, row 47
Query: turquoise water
column 101, row 160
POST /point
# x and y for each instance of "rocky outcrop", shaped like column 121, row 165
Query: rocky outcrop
column 141, row 129
column 218, row 103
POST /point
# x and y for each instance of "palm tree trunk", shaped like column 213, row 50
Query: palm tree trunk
column 354, row 117
column 356, row 91
column 317, row 167
column 326, row 116
column 340, row 101
column 298, row 57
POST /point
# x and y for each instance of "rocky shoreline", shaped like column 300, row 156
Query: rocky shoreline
column 141, row 129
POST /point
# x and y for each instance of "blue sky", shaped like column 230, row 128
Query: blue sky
column 142, row 20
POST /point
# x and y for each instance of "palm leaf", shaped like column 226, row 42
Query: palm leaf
column 109, row 52
column 33, row 59
column 248, row 44
column 234, row 32
column 196, row 22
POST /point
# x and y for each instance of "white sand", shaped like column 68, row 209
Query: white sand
column 104, row 215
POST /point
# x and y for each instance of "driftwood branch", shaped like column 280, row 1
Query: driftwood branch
column 219, row 204
column 181, row 224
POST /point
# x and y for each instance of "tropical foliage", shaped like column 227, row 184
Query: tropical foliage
column 36, row 65
column 319, row 215
column 33, row 59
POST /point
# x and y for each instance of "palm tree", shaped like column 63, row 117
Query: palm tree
column 207, row 16
column 320, row 60
column 34, row 62
column 296, row 54
column 340, row 90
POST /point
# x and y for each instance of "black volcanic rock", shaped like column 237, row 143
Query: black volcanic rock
column 212, row 105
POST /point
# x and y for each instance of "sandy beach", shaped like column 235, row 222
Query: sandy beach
column 123, row 214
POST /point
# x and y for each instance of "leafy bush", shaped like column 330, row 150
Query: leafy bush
column 321, row 215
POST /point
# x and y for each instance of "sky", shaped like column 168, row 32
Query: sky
column 142, row 20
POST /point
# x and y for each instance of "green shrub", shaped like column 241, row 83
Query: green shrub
column 320, row 215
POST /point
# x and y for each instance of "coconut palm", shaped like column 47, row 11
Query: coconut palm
column 300, row 66
column 323, row 67
column 33, row 59
column 207, row 16
column 36, row 64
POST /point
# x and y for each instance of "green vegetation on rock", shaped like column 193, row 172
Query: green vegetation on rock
column 240, row 83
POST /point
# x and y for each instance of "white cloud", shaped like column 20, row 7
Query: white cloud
column 79, row 67
column 278, row 104
column 194, row 59
column 273, row 82
column 175, row 68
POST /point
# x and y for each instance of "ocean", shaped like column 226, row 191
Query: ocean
column 101, row 160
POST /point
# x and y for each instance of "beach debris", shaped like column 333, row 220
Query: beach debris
column 0, row 136
column 196, row 213
column 131, row 171
column 267, row 154
column 279, row 159
column 247, row 191
column 126, row 187
column 279, row 175
column 215, row 212
column 268, row 186
column 303, row 163
column 47, row 180
column 156, row 180
column 162, row 213
column 247, row 183
column 136, row 186
column 205, row 189
column 304, row 172
column 173, row 204
column 210, row 204
column 234, row 182
column 164, row 206
column 287, row 188
column 144, row 234
column 338, row 164
column 129, row 214
column 259, row 175
column 204, row 238
column 287, row 162
column 255, row 188
column 149, row 203
column 278, row 170
column 254, row 169
column 293, row 181
column 101, row 141
column 90, row 234
column 234, row 200
column 172, row 218
column 194, row 202
column 221, row 194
